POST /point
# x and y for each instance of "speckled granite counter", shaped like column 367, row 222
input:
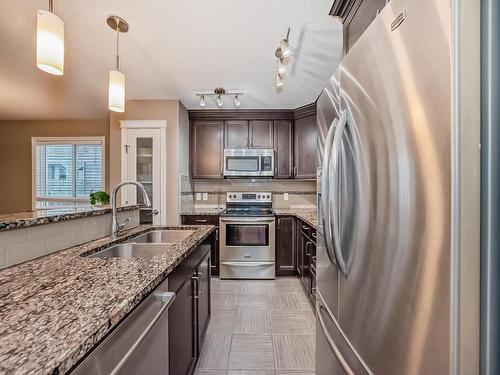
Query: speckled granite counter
column 203, row 211
column 307, row 215
column 54, row 309
column 37, row 217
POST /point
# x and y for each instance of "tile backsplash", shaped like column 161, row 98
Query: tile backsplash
column 20, row 245
column 300, row 193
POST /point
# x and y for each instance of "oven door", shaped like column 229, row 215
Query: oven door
column 247, row 239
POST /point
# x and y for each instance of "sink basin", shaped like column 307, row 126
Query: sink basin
column 163, row 236
column 132, row 250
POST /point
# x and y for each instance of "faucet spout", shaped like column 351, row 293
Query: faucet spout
column 115, row 226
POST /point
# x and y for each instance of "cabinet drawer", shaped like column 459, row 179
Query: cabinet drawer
column 200, row 220
column 247, row 270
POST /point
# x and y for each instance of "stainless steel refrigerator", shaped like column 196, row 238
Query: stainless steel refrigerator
column 384, row 198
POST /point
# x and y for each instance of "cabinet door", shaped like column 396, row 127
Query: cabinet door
column 285, row 249
column 261, row 134
column 305, row 147
column 236, row 134
column 181, row 326
column 141, row 162
column 283, row 164
column 206, row 149
column 202, row 274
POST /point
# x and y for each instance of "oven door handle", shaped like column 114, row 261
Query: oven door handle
column 249, row 220
column 247, row 264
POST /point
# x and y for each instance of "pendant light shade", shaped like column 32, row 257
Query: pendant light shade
column 49, row 43
column 116, row 94
column 116, row 91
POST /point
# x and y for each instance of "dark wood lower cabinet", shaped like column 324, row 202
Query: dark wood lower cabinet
column 286, row 259
column 207, row 220
column 189, row 314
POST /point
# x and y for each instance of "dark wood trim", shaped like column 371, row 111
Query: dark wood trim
column 305, row 111
column 241, row 114
column 344, row 9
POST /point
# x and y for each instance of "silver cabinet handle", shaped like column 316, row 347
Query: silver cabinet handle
column 153, row 213
column 197, row 286
column 201, row 220
column 331, row 343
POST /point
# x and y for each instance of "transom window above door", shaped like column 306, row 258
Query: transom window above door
column 66, row 170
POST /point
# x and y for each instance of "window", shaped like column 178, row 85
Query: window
column 66, row 170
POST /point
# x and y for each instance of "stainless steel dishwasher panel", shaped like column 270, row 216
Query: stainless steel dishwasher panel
column 138, row 345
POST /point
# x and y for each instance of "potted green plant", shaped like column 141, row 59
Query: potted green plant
column 98, row 198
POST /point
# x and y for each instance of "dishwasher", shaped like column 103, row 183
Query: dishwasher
column 138, row 345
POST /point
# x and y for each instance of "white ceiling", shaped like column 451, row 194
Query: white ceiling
column 173, row 49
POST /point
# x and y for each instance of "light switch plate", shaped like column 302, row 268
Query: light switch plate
column 205, row 196
column 198, row 196
column 285, row 196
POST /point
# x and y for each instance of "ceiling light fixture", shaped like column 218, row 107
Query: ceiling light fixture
column 280, row 67
column 49, row 41
column 279, row 80
column 218, row 94
column 116, row 99
column 282, row 53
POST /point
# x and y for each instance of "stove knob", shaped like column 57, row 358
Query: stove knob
column 258, row 196
column 267, row 196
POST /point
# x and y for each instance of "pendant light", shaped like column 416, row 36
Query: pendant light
column 49, row 41
column 116, row 99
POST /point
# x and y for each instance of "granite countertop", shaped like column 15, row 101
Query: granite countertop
column 203, row 211
column 37, row 217
column 308, row 215
column 54, row 309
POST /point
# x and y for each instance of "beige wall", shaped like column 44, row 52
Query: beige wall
column 15, row 154
column 153, row 110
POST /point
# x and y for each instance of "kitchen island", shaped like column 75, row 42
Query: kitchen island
column 55, row 309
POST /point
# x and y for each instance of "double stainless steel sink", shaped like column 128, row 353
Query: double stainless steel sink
column 146, row 245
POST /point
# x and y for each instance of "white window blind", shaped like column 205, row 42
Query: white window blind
column 67, row 170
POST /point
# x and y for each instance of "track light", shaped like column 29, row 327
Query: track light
column 49, row 41
column 237, row 101
column 202, row 100
column 116, row 98
column 218, row 95
column 219, row 101
column 279, row 80
column 280, row 68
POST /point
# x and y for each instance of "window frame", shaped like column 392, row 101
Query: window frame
column 59, row 141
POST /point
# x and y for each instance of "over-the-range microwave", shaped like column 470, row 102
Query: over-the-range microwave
column 244, row 162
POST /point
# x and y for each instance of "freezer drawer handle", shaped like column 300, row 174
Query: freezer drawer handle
column 331, row 343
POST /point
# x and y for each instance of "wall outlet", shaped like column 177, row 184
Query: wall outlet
column 205, row 196
column 285, row 196
column 198, row 196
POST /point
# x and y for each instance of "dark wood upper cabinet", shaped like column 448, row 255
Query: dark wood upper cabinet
column 261, row 134
column 356, row 15
column 236, row 134
column 283, row 147
column 305, row 158
column 206, row 149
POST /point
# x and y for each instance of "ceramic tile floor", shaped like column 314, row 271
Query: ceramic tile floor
column 259, row 328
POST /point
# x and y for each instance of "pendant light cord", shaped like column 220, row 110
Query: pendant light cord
column 117, row 47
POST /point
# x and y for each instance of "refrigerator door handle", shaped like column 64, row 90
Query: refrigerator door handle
column 325, row 192
column 341, row 262
column 331, row 342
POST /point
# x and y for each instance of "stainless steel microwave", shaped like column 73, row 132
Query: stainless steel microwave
column 243, row 162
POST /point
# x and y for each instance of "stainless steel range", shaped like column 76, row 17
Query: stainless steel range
column 247, row 232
